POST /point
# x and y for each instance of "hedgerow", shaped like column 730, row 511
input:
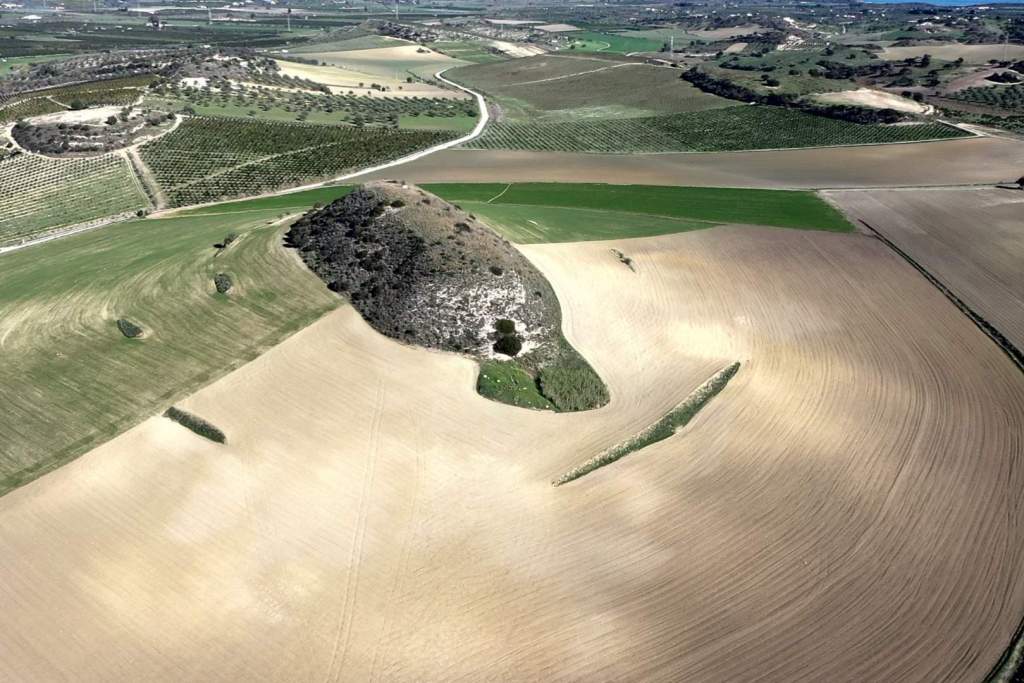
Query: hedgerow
column 196, row 424
column 677, row 418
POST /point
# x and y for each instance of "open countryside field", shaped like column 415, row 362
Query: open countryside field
column 207, row 159
column 402, row 545
column 343, row 80
column 961, row 161
column 391, row 62
column 971, row 240
column 744, row 127
column 59, row 301
column 39, row 194
column 971, row 54
column 159, row 273
column 599, row 89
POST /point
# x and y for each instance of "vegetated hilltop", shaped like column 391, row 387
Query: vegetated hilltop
column 424, row 271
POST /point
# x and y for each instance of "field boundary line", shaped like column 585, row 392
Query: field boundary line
column 1007, row 347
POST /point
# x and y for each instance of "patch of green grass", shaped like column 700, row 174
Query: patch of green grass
column 67, row 383
column 530, row 224
column 10, row 64
column 675, row 420
column 571, row 384
column 459, row 124
column 590, row 41
column 781, row 208
column 506, row 382
column 467, row 51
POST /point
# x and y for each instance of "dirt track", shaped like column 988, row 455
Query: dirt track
column 951, row 162
column 846, row 509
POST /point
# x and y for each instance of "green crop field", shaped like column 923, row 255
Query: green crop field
column 728, row 129
column 70, row 380
column 206, row 159
column 467, row 51
column 39, row 194
column 9, row 65
column 574, row 212
column 624, row 43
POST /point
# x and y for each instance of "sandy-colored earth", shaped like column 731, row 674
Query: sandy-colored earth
column 89, row 115
column 846, row 509
column 972, row 240
column 557, row 28
column 869, row 97
column 345, row 80
column 950, row 162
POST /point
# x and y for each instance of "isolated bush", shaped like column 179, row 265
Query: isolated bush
column 196, row 424
column 223, row 283
column 508, row 345
column 128, row 328
column 504, row 326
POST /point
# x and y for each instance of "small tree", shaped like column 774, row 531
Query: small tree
column 508, row 345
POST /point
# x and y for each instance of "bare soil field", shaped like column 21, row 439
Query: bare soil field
column 972, row 240
column 972, row 54
column 845, row 509
column 949, row 162
column 868, row 97
column 344, row 80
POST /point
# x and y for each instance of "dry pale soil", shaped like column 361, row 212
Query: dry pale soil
column 847, row 509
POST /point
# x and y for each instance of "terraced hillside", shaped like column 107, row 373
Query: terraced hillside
column 207, row 159
column 734, row 128
column 39, row 194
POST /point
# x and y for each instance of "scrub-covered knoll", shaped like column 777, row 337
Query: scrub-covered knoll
column 425, row 272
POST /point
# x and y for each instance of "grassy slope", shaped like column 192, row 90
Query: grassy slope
column 781, row 208
column 71, row 380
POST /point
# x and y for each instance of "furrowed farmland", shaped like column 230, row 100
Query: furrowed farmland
column 207, row 159
column 717, row 130
column 39, row 194
column 431, row 341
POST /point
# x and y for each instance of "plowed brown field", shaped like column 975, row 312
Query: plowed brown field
column 949, row 162
column 847, row 509
column 971, row 240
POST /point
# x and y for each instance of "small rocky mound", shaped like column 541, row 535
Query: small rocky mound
column 421, row 270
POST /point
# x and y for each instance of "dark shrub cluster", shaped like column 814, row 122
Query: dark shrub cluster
column 128, row 328
column 223, row 283
column 196, row 424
